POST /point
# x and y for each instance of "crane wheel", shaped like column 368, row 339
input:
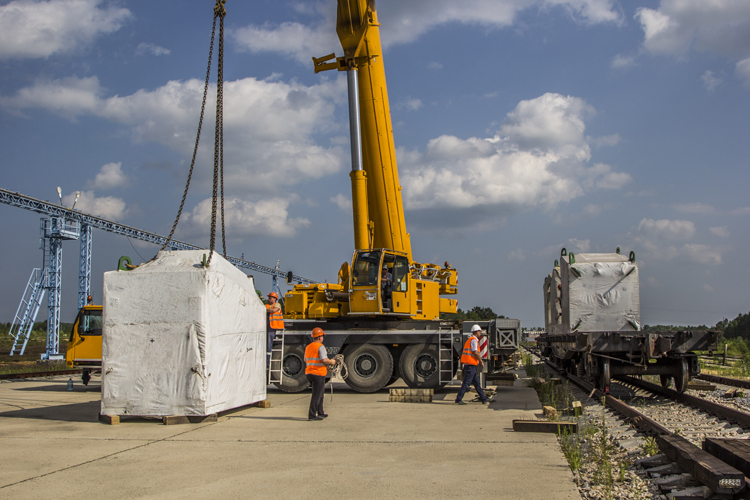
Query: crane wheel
column 419, row 366
column 294, row 379
column 370, row 367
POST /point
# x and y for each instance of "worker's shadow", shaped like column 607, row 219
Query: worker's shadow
column 259, row 417
column 62, row 386
column 78, row 412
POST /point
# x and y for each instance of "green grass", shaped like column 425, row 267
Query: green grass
column 11, row 368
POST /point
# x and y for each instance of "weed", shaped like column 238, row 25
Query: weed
column 572, row 447
column 623, row 469
column 650, row 447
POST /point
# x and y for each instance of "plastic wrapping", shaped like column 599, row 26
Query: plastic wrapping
column 599, row 293
column 180, row 339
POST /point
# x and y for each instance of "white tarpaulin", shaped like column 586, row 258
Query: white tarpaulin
column 180, row 339
column 600, row 293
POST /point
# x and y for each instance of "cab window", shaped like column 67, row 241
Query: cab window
column 400, row 272
column 90, row 323
column 366, row 269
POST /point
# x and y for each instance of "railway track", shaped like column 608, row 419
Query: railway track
column 680, row 424
column 11, row 376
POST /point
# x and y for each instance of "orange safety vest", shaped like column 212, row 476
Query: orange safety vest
column 275, row 319
column 315, row 365
column 467, row 357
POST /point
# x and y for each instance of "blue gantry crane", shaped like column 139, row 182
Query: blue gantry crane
column 61, row 224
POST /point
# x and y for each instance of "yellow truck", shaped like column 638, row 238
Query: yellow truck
column 85, row 343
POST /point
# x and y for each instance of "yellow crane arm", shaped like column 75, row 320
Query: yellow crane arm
column 378, row 219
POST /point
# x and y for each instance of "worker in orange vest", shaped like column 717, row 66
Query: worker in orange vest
column 274, row 323
column 316, row 358
column 470, row 359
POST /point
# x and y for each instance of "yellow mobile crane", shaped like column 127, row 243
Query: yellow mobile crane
column 383, row 313
column 380, row 238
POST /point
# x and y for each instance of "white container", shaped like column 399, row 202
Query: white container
column 180, row 339
column 598, row 292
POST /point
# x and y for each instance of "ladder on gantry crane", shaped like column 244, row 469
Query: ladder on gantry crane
column 27, row 310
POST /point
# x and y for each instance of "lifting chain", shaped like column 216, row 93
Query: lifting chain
column 219, row 12
column 338, row 369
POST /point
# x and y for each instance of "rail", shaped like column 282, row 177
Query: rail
column 709, row 470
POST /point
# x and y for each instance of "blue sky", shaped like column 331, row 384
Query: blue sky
column 522, row 126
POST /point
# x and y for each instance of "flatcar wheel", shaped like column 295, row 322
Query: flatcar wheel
column 682, row 378
column 605, row 378
column 666, row 381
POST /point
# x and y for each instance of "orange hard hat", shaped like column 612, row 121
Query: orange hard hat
column 274, row 295
column 317, row 332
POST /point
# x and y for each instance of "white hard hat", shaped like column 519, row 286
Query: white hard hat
column 476, row 328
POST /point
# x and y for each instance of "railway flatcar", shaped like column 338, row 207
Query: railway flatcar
column 593, row 329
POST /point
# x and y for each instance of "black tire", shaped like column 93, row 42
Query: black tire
column 419, row 366
column 293, row 379
column 369, row 366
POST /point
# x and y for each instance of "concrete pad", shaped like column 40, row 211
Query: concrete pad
column 52, row 444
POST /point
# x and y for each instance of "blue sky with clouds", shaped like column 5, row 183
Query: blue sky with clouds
column 522, row 126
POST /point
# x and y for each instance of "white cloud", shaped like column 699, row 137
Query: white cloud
column 517, row 254
column 708, row 288
column 268, row 125
column 108, row 207
column 695, row 208
column 710, row 81
column 410, row 103
column 664, row 228
column 343, row 202
column 580, row 246
column 741, row 211
column 679, row 25
column 607, row 140
column 592, row 210
column 33, row 28
column 404, row 22
column 721, row 231
column 742, row 70
column 621, row 62
column 152, row 49
column 702, row 254
column 267, row 217
column 538, row 159
column 109, row 176
column 657, row 239
column 435, row 65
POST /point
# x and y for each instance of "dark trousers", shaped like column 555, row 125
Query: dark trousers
column 470, row 377
column 318, row 383
column 270, row 334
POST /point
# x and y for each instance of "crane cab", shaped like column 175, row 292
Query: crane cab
column 380, row 283
column 85, row 343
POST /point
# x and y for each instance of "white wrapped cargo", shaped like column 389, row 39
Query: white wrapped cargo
column 599, row 292
column 180, row 339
